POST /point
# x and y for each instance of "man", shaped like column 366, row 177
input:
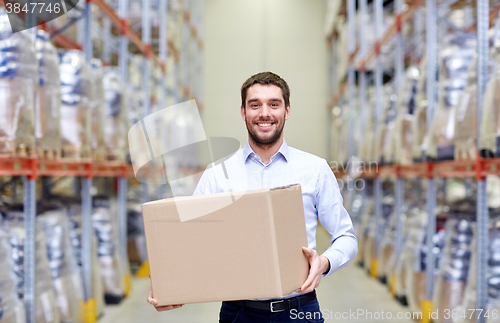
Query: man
column 268, row 162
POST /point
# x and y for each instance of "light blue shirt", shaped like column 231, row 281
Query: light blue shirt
column 320, row 192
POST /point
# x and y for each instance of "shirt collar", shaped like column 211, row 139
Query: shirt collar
column 284, row 151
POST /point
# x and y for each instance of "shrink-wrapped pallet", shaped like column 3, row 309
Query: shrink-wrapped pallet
column 66, row 276
column 75, row 233
column 454, row 61
column 388, row 153
column 450, row 285
column 48, row 99
column 414, row 260
column 465, row 137
column 76, row 112
column 135, row 234
column 490, row 123
column 11, row 308
column 45, row 301
column 405, row 106
column 370, row 252
column 18, row 81
column 115, row 115
column 98, row 112
column 363, row 232
column 366, row 152
column 381, row 129
column 419, row 124
column 492, row 277
column 343, row 134
column 112, row 272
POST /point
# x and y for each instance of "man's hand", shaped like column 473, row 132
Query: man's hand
column 154, row 302
column 317, row 266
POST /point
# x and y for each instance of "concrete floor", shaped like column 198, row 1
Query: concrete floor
column 349, row 293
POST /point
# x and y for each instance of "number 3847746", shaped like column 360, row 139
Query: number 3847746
column 470, row 314
column 34, row 7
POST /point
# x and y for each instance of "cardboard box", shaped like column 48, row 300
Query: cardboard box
column 249, row 248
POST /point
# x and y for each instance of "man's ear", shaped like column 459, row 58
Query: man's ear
column 287, row 112
column 242, row 111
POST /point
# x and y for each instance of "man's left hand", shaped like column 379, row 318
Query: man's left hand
column 317, row 266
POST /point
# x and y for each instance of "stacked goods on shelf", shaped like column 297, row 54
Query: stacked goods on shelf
column 454, row 60
column 113, row 275
column 387, row 153
column 365, row 226
column 405, row 107
column 115, row 126
column 454, row 268
column 386, row 256
column 18, row 81
column 465, row 134
column 74, row 212
column 357, row 206
column 98, row 115
column 366, row 229
column 366, row 151
column 62, row 263
column 11, row 308
column 379, row 139
column 370, row 249
column 135, row 234
column 343, row 133
column 397, row 270
column 45, row 301
column 492, row 274
column 489, row 143
column 48, row 99
column 410, row 268
column 419, row 126
column 76, row 112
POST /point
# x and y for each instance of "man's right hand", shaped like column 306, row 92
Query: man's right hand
column 154, row 302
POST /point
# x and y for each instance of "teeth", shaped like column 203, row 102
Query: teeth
column 264, row 124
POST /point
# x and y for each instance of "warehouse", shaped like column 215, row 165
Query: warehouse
column 143, row 161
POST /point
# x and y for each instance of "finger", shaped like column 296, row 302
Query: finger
column 168, row 307
column 152, row 301
column 308, row 282
column 307, row 251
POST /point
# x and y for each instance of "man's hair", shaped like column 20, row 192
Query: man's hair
column 266, row 78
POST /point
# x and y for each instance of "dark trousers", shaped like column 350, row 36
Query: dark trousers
column 231, row 313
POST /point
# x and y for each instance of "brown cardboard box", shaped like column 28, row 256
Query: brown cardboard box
column 250, row 247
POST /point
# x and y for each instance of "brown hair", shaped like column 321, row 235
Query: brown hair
column 266, row 78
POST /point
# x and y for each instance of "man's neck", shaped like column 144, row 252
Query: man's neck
column 266, row 151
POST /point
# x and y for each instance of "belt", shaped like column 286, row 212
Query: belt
column 277, row 305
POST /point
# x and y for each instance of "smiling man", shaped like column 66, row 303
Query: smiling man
column 269, row 162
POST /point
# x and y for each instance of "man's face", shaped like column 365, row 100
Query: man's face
column 265, row 113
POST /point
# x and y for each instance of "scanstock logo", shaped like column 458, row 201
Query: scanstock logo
column 174, row 139
column 25, row 14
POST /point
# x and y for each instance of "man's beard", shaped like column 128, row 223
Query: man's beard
column 265, row 141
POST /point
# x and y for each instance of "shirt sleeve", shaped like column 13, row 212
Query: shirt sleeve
column 207, row 184
column 335, row 219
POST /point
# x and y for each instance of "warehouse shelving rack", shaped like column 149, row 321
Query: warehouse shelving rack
column 478, row 169
column 32, row 168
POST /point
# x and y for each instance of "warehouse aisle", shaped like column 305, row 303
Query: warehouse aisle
column 345, row 293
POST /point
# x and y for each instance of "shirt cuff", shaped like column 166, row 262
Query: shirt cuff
column 337, row 260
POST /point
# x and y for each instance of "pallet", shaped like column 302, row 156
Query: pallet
column 73, row 153
column 49, row 154
column 20, row 152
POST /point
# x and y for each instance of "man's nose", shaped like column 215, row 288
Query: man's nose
column 265, row 111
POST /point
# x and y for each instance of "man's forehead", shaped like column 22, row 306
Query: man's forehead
column 264, row 91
